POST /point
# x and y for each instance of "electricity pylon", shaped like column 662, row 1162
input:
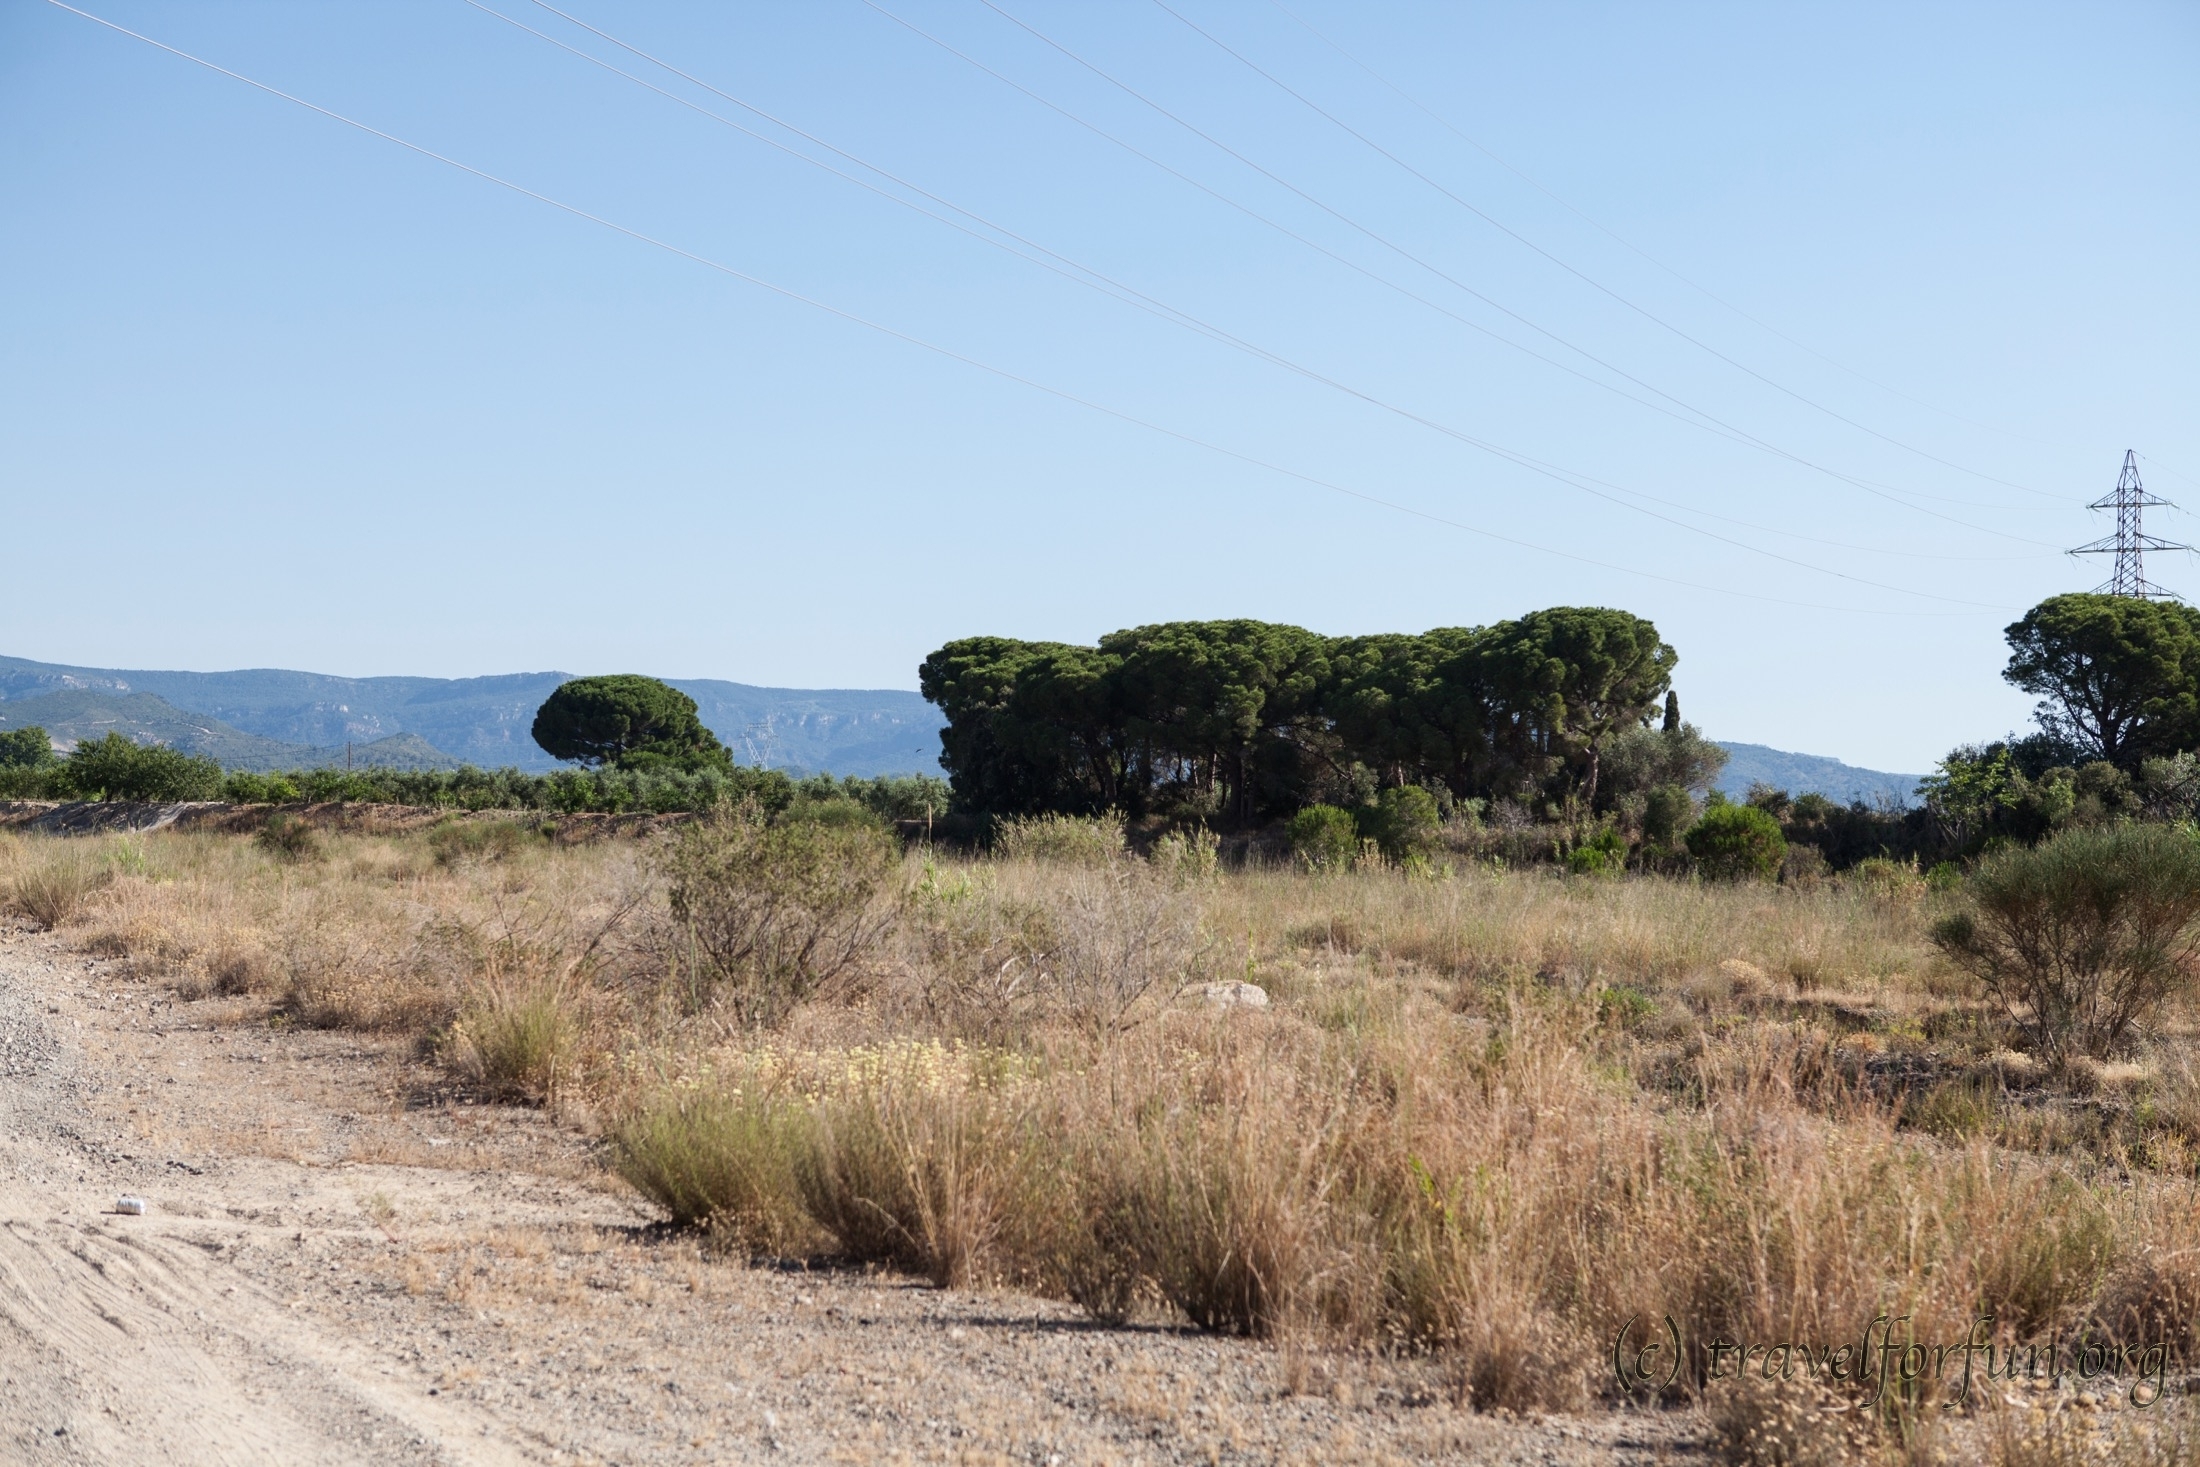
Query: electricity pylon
column 2129, row 543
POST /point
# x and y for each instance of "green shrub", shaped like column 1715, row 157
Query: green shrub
column 289, row 838
column 518, row 1038
column 773, row 911
column 1192, row 857
column 2084, row 938
column 1325, row 837
column 722, row 1159
column 455, row 842
column 1074, row 840
column 835, row 810
column 1666, row 815
column 1402, row 821
column 246, row 788
column 31, row 782
column 1887, row 879
column 1737, row 843
column 116, row 768
column 1603, row 854
column 27, row 747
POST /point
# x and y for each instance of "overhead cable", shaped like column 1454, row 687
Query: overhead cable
column 1003, row 373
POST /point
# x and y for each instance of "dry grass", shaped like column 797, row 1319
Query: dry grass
column 1489, row 1116
column 48, row 881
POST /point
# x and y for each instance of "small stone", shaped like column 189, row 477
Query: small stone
column 1231, row 995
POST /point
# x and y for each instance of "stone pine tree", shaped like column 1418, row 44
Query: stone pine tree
column 2118, row 678
column 628, row 721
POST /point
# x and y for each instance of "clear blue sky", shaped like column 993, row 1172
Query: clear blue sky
column 274, row 392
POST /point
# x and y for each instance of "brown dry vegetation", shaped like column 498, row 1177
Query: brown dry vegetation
column 1488, row 1117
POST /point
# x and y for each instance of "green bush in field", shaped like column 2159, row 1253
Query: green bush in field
column 606, row 790
column 1737, row 843
column 1402, row 821
column 1602, row 854
column 1071, row 840
column 2084, row 938
column 246, row 788
column 773, row 911
column 116, row 768
column 25, row 748
column 289, row 838
column 1325, row 837
column 1667, row 811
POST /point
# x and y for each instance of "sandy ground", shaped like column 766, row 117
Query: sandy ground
column 338, row 1265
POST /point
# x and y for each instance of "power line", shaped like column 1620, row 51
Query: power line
column 1638, row 251
column 973, row 362
column 1121, row 291
column 1467, row 289
column 1709, row 424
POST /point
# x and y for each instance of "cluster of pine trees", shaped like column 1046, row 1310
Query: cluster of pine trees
column 1244, row 721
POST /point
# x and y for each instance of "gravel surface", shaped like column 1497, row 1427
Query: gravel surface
column 338, row 1266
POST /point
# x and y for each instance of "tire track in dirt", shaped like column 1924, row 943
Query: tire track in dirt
column 127, row 1339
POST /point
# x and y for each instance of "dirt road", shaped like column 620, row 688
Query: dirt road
column 337, row 1267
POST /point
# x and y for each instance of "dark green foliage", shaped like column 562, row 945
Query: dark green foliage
column 1245, row 720
column 25, row 748
column 2084, row 937
column 1565, row 681
column 1402, row 821
column 289, row 838
column 1668, row 810
column 1028, row 725
column 2118, row 677
column 1602, row 854
column 247, row 788
column 1981, row 794
column 1641, row 759
column 627, row 720
column 115, row 768
column 1325, row 837
column 1847, row 834
column 603, row 790
column 1222, row 705
column 1737, row 843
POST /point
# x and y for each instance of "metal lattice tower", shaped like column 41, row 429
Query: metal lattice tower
column 2129, row 543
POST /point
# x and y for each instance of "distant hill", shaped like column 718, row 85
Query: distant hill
column 73, row 716
column 1801, row 774
column 482, row 720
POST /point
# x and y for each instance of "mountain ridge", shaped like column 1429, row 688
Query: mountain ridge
column 487, row 720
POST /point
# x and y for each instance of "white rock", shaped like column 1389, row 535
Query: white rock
column 1231, row 995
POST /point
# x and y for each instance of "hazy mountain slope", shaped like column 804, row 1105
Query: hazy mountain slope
column 73, row 715
column 843, row 730
column 1806, row 773
column 486, row 720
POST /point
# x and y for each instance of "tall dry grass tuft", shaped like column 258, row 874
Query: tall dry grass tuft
column 53, row 877
column 914, row 1159
column 722, row 1158
column 520, row 1029
column 1015, row 945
